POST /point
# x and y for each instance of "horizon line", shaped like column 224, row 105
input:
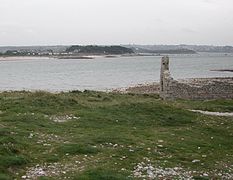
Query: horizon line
column 129, row 44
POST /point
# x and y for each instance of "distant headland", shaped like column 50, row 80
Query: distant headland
column 67, row 52
column 85, row 52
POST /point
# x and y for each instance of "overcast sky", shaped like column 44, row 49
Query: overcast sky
column 51, row 22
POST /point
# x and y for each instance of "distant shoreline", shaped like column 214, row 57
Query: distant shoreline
column 87, row 57
column 222, row 70
column 18, row 58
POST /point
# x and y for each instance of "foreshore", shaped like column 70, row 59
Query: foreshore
column 82, row 56
column 18, row 58
column 148, row 88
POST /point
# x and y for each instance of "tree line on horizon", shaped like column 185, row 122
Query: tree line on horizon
column 93, row 49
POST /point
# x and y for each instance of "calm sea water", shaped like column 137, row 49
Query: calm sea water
column 105, row 73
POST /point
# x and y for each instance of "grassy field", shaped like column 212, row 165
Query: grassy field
column 93, row 135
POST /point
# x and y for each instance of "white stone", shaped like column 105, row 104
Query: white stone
column 195, row 161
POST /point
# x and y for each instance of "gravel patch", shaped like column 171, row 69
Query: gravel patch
column 144, row 170
column 148, row 171
column 64, row 118
column 52, row 170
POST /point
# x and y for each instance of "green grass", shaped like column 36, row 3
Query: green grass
column 76, row 149
column 111, row 134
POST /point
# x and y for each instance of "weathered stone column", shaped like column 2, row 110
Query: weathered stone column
column 164, row 68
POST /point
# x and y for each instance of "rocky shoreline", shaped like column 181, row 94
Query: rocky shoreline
column 149, row 88
column 154, row 88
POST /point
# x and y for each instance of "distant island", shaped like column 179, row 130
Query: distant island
column 106, row 50
column 85, row 52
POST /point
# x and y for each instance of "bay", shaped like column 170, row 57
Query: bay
column 105, row 73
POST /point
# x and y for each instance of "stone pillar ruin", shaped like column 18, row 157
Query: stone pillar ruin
column 199, row 88
column 166, row 81
column 163, row 71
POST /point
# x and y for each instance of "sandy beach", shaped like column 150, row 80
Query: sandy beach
column 19, row 58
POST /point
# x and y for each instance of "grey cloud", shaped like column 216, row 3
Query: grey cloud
column 27, row 22
column 187, row 30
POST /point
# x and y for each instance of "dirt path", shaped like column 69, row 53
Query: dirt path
column 213, row 113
